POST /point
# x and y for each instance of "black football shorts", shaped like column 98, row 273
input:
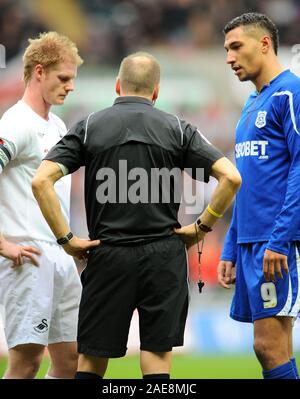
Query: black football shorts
column 151, row 278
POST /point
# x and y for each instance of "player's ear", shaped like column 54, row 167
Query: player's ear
column 155, row 92
column 266, row 44
column 118, row 87
column 38, row 71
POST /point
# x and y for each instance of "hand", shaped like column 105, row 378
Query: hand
column 15, row 253
column 226, row 273
column 79, row 248
column 272, row 264
column 189, row 236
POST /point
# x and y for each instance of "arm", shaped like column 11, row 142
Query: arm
column 43, row 189
column 226, row 266
column 11, row 145
column 287, row 221
column 230, row 243
column 229, row 181
column 286, row 224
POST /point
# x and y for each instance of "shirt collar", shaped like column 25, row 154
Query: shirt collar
column 132, row 99
column 279, row 76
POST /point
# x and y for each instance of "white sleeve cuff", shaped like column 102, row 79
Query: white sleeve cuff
column 63, row 168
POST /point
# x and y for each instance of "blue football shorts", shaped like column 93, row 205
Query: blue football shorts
column 255, row 298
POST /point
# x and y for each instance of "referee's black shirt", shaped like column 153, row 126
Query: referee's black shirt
column 121, row 147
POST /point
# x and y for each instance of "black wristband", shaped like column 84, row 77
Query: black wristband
column 65, row 239
column 203, row 227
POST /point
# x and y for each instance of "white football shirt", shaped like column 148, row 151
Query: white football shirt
column 28, row 137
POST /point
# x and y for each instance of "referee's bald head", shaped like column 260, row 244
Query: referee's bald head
column 139, row 74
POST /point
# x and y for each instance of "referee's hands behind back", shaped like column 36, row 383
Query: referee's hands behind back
column 79, row 248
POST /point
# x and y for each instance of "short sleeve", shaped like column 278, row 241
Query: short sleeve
column 199, row 153
column 13, row 136
column 69, row 150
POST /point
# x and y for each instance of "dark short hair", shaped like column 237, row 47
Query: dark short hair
column 257, row 20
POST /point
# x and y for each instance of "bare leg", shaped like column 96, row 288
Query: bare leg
column 24, row 361
column 64, row 358
column 92, row 364
column 272, row 341
column 155, row 362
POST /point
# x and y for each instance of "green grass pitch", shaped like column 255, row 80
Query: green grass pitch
column 184, row 366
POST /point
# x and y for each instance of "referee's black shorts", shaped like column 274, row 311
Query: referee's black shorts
column 151, row 278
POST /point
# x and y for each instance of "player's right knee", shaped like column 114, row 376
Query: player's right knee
column 31, row 370
column 66, row 366
column 260, row 349
column 70, row 364
column 25, row 369
column 269, row 355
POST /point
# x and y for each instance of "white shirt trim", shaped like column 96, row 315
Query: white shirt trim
column 204, row 138
column 296, row 307
column 63, row 168
column 181, row 131
column 291, row 103
column 86, row 126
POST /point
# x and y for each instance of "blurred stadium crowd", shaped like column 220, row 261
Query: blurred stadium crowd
column 107, row 30
column 186, row 32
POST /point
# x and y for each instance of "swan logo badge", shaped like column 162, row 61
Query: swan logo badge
column 42, row 327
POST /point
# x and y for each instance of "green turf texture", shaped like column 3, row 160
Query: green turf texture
column 184, row 366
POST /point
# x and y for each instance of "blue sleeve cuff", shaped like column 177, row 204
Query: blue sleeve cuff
column 231, row 257
column 283, row 249
column 228, row 259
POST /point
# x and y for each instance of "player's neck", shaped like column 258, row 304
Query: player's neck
column 268, row 72
column 36, row 102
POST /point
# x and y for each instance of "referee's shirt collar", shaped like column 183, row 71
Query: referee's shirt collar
column 132, row 99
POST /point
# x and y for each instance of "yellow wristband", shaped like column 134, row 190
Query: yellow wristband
column 212, row 212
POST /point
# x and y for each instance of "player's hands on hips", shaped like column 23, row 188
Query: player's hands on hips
column 189, row 236
column 272, row 264
column 79, row 248
column 16, row 253
column 226, row 273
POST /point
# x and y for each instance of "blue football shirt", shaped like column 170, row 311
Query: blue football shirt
column 267, row 206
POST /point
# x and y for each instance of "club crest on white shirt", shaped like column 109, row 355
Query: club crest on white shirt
column 261, row 119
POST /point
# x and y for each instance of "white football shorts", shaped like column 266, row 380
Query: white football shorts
column 41, row 303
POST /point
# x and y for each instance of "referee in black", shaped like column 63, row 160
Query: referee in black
column 140, row 263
